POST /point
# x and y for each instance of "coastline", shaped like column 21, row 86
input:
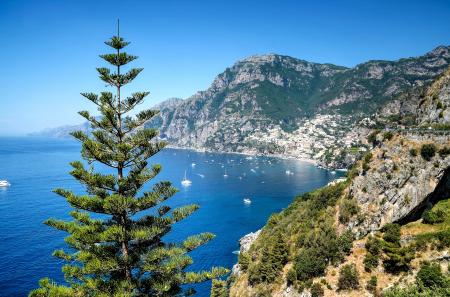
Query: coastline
column 250, row 154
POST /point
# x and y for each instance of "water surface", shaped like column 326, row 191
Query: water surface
column 35, row 166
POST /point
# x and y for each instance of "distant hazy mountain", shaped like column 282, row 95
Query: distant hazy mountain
column 62, row 131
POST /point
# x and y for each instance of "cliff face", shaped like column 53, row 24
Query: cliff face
column 406, row 173
column 435, row 106
column 279, row 105
column 399, row 180
column 274, row 104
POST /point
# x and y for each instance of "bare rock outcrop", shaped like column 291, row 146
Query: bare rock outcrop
column 398, row 182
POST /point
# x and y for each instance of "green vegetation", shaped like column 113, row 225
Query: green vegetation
column 433, row 217
column 372, row 138
column 413, row 152
column 120, row 252
column 388, row 135
column 439, row 219
column 348, row 277
column 313, row 241
column 244, row 261
column 430, row 282
column 392, row 233
column 374, row 249
column 347, row 209
column 272, row 261
column 428, row 151
column 366, row 161
column 372, row 284
column 219, row 288
column 316, row 290
column 430, row 276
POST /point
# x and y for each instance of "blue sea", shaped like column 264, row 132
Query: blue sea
column 35, row 166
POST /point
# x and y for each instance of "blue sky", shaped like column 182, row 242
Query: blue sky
column 50, row 48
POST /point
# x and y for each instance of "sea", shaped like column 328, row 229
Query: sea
column 220, row 183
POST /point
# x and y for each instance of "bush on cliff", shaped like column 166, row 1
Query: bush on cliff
column 433, row 217
column 348, row 277
column 428, row 151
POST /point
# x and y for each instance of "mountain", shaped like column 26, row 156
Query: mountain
column 273, row 104
column 279, row 105
column 384, row 230
column 63, row 131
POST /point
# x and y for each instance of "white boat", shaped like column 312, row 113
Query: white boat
column 201, row 175
column 247, row 201
column 185, row 182
column 225, row 174
column 288, row 172
column 4, row 183
column 193, row 164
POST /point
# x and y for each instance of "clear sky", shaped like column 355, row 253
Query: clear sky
column 49, row 48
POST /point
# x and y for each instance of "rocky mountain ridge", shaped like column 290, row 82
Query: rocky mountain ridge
column 278, row 105
column 395, row 204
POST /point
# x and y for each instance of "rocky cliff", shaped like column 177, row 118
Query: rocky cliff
column 376, row 232
column 279, row 105
column 275, row 104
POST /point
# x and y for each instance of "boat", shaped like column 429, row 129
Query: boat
column 4, row 183
column 201, row 175
column 193, row 164
column 185, row 182
column 247, row 201
column 225, row 174
column 288, row 172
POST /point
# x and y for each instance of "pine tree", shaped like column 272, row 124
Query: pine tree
column 118, row 251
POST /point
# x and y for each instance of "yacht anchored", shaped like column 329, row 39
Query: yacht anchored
column 185, row 182
column 247, row 201
column 225, row 174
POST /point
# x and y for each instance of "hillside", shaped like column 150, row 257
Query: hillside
column 275, row 104
column 280, row 105
column 384, row 230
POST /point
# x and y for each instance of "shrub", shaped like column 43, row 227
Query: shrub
column 272, row 261
column 309, row 263
column 316, row 290
column 431, row 276
column 219, row 288
column 345, row 242
column 348, row 277
column 291, row 277
column 371, row 285
column 433, row 217
column 397, row 258
column 439, row 105
column 368, row 157
column 372, row 138
column 392, row 233
column 371, row 261
column 428, row 151
column 373, row 245
column 347, row 209
column 244, row 261
column 388, row 135
column 413, row 152
column 444, row 152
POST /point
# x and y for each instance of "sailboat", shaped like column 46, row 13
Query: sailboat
column 185, row 182
column 4, row 183
column 225, row 174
